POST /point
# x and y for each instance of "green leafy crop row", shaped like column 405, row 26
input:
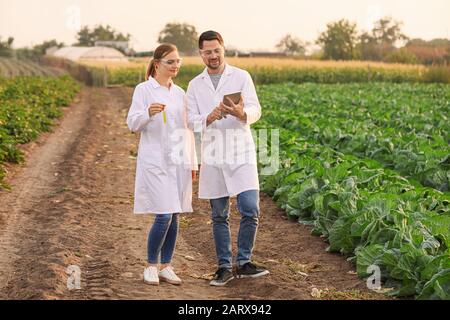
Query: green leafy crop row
column 406, row 127
column 28, row 106
column 365, row 208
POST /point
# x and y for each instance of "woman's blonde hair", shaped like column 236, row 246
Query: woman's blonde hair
column 160, row 52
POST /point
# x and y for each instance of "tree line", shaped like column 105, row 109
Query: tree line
column 385, row 42
column 341, row 40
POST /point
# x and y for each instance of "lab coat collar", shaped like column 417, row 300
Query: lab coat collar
column 228, row 70
column 155, row 84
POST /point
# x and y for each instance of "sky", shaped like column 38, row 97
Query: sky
column 244, row 24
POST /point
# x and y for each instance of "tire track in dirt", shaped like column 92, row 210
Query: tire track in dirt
column 83, row 216
column 28, row 212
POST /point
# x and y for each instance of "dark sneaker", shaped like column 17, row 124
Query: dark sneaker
column 249, row 270
column 222, row 277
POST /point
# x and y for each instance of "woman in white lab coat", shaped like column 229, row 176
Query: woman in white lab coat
column 166, row 159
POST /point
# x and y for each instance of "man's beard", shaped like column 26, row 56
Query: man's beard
column 214, row 67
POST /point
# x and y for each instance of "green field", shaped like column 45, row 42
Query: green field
column 267, row 74
column 405, row 127
column 365, row 158
column 368, row 166
column 28, row 107
column 272, row 70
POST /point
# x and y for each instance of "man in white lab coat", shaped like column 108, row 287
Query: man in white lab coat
column 228, row 166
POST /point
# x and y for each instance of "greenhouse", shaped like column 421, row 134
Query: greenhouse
column 89, row 53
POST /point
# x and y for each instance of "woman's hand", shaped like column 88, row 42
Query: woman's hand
column 155, row 108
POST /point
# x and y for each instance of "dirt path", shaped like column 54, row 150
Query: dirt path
column 71, row 204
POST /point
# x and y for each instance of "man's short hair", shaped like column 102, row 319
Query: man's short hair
column 208, row 36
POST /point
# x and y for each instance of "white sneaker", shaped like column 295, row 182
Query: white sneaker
column 151, row 275
column 168, row 275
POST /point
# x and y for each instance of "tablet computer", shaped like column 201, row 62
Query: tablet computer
column 235, row 97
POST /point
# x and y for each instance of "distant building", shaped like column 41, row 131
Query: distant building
column 268, row 54
column 239, row 53
column 116, row 44
column 89, row 53
column 51, row 50
column 143, row 54
column 123, row 46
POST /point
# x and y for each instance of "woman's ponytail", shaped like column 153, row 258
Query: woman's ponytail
column 150, row 70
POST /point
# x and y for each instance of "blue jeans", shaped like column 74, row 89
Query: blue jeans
column 248, row 206
column 162, row 238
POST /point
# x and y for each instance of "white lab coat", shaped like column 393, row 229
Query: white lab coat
column 228, row 163
column 166, row 153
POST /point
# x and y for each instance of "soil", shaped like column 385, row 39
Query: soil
column 71, row 203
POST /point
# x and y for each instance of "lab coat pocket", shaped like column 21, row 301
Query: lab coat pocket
column 155, row 180
column 155, row 170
